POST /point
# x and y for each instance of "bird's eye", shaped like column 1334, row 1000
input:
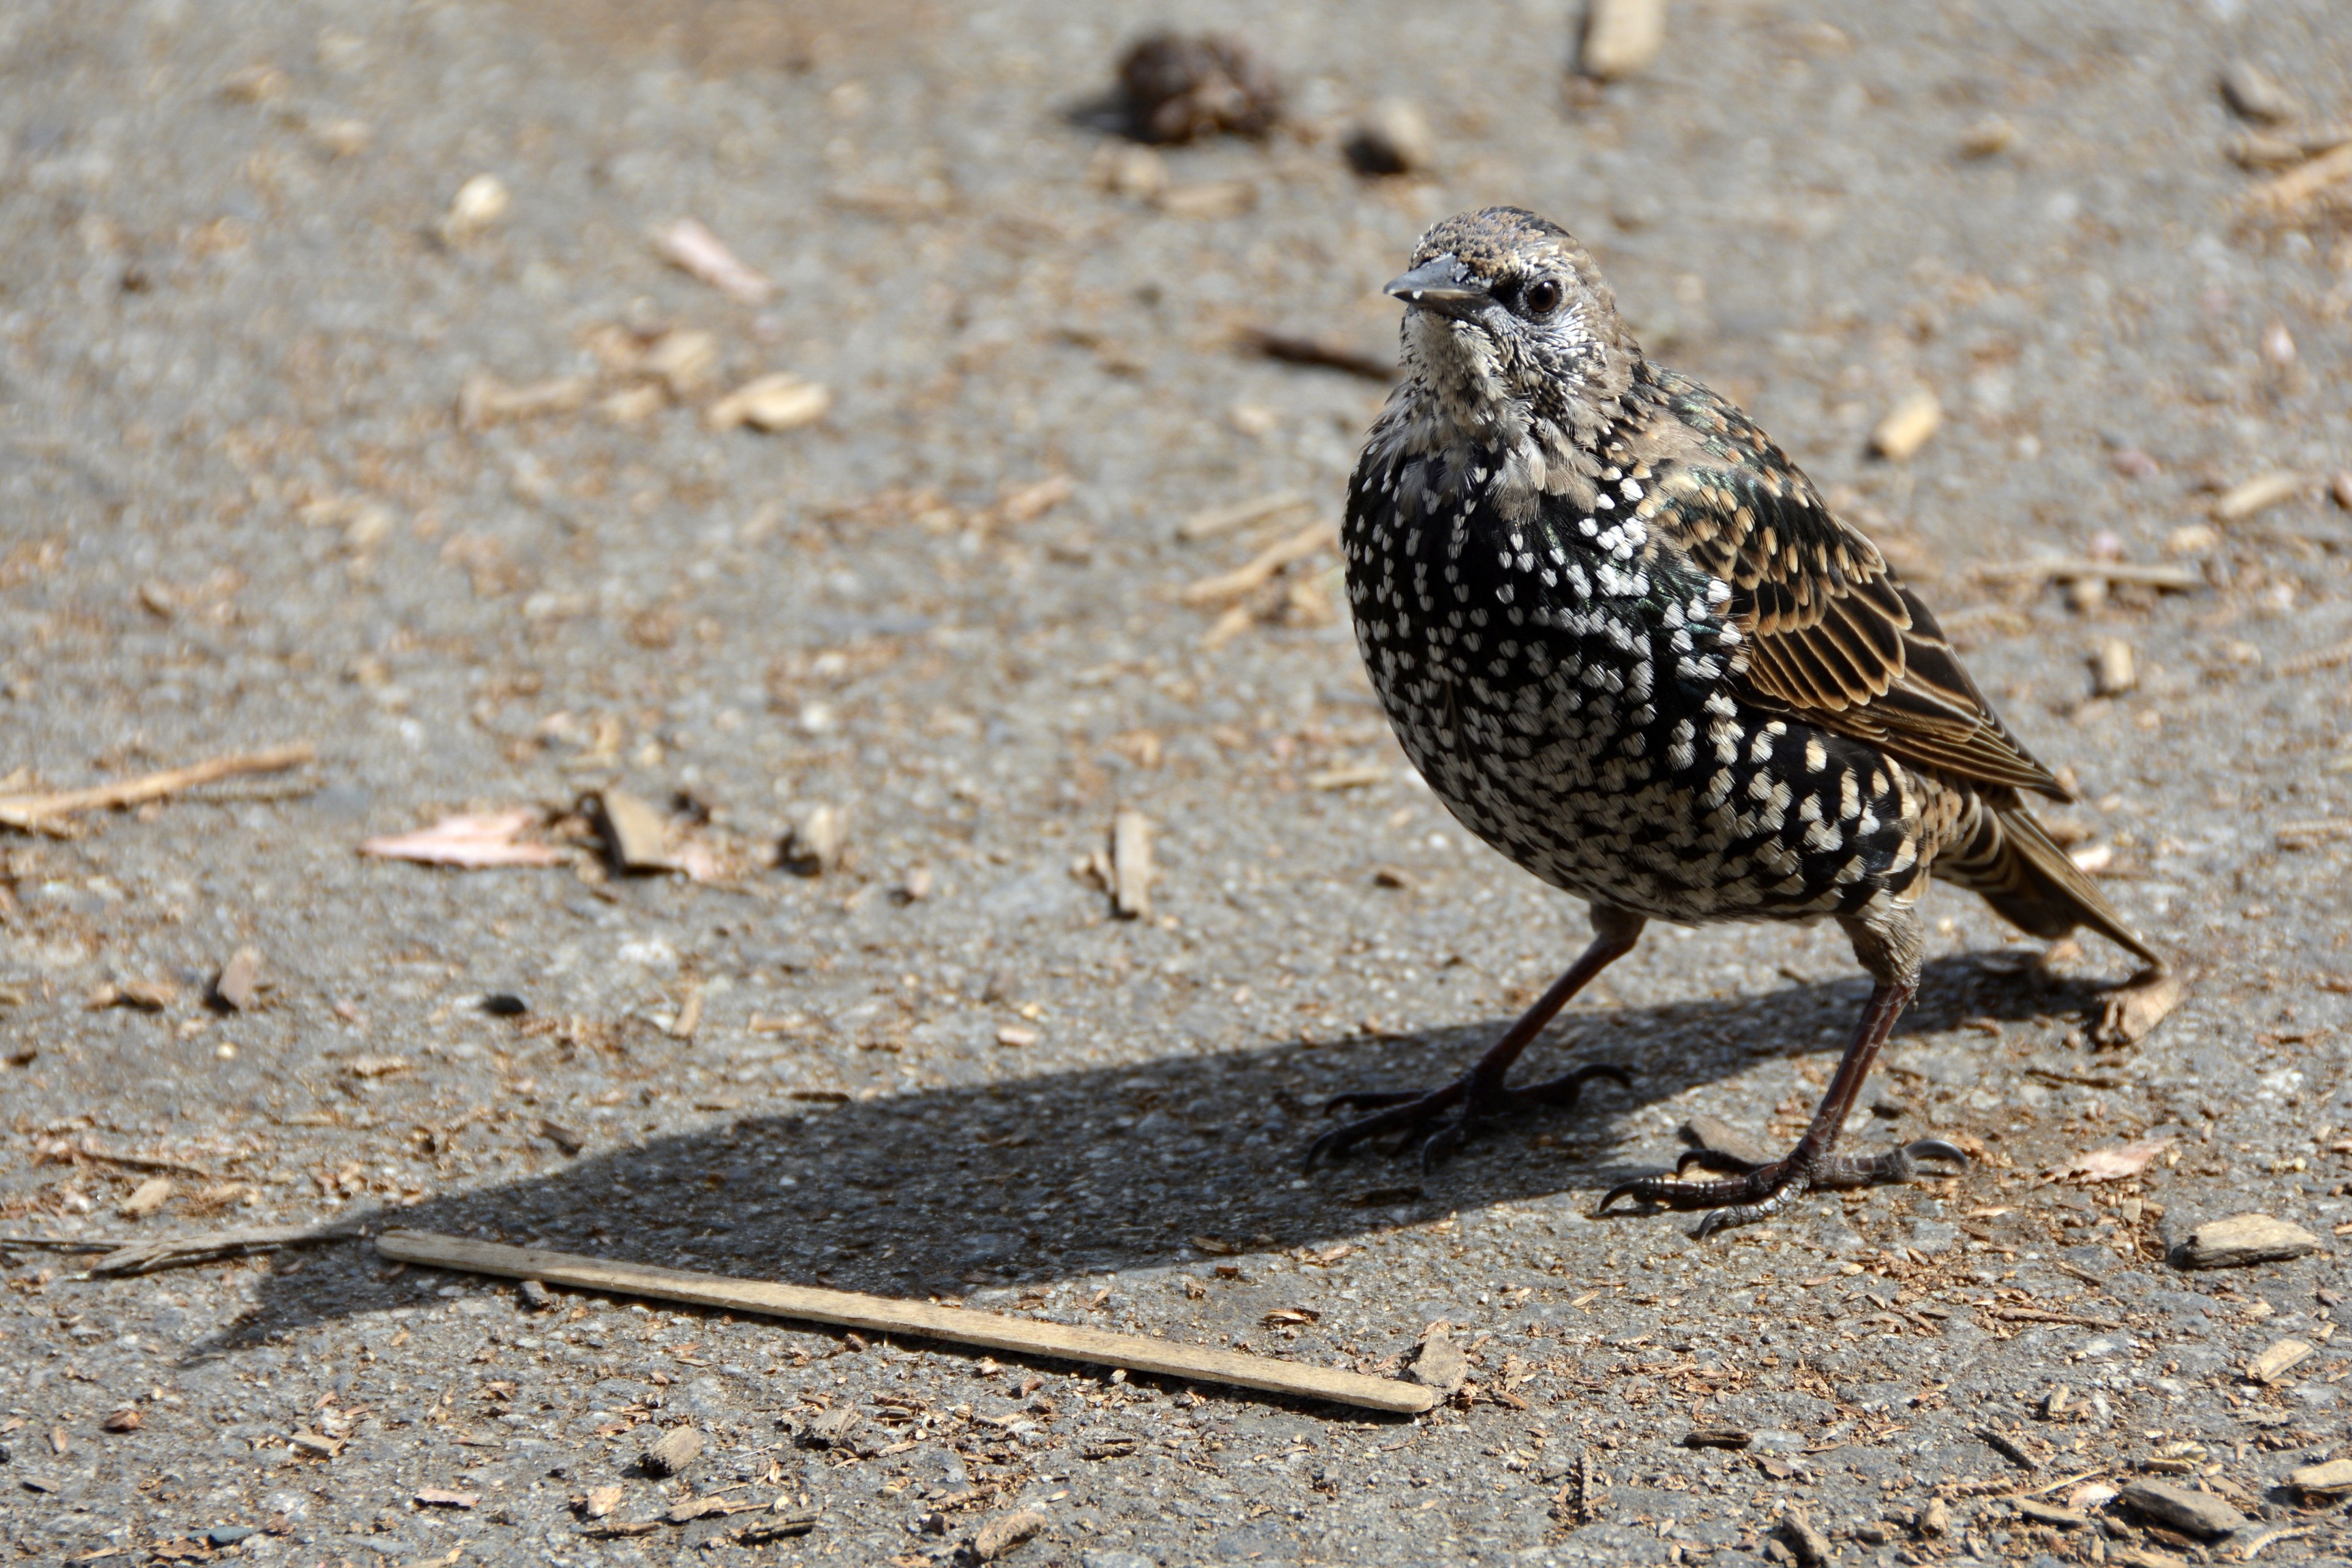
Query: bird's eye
column 1542, row 297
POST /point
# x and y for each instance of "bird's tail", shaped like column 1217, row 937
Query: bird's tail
column 2000, row 851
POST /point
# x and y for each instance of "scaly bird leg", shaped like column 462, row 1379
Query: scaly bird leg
column 1481, row 1092
column 1887, row 940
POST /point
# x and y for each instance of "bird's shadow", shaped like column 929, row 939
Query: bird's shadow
column 1042, row 1179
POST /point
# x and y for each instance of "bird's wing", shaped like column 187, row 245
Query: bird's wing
column 1832, row 636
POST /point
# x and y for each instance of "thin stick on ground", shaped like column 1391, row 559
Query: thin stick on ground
column 883, row 1314
column 171, row 1251
column 33, row 813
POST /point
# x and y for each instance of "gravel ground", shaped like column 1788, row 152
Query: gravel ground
column 242, row 508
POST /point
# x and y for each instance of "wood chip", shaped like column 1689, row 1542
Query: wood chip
column 673, row 1451
column 2245, row 1239
column 690, row 247
column 2116, row 1164
column 817, row 840
column 637, row 836
column 2334, row 1476
column 2258, row 494
column 1131, row 868
column 2277, row 1361
column 1352, row 777
column 1219, row 520
column 1621, row 37
column 1210, row 200
column 773, row 403
column 1717, row 1136
column 2041, row 1512
column 1989, row 136
column 484, row 399
column 2114, row 669
column 601, row 1501
column 238, row 986
column 2009, row 1447
column 1811, row 1547
column 126, row 1420
column 1000, row 1535
column 1439, row 1365
column 683, row 358
column 1032, row 501
column 442, row 1497
column 470, row 841
column 43, row 811
column 1906, row 429
column 148, row 1198
column 562, row 1137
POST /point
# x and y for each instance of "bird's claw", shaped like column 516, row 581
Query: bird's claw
column 1763, row 1189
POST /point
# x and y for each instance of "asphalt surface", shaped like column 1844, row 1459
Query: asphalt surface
column 239, row 507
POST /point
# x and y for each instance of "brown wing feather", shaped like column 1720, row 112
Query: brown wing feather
column 1834, row 637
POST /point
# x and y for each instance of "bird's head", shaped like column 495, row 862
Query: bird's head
column 1509, row 326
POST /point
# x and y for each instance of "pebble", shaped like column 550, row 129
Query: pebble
column 2250, row 91
column 238, row 987
column 479, row 203
column 2243, row 1239
column 148, row 1198
column 1006, row 1531
column 1810, row 1546
column 1987, row 136
column 2259, row 493
column 1621, row 37
column 1392, row 138
column 2113, row 671
column 773, row 403
column 1130, row 859
column 819, row 836
column 1902, row 432
column 2198, row 1513
column 1717, row 1136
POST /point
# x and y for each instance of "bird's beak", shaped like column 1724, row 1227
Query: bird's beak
column 1442, row 285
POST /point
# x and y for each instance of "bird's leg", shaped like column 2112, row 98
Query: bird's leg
column 1480, row 1092
column 1887, row 939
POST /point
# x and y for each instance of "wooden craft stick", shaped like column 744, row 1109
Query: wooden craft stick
column 31, row 810
column 885, row 1315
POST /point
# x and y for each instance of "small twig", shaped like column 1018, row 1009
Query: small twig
column 1260, row 571
column 2067, row 568
column 2279, row 197
column 882, row 1314
column 76, row 1152
column 30, row 812
column 1315, row 351
column 166, row 1252
column 64, row 1243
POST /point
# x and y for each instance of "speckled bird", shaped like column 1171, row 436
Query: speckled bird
column 1628, row 644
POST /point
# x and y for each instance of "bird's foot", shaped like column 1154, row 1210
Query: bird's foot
column 1759, row 1191
column 1480, row 1100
